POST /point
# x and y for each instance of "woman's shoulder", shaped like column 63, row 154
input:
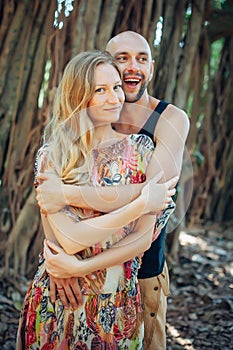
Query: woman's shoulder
column 142, row 140
column 41, row 161
column 43, row 150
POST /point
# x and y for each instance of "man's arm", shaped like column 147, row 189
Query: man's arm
column 170, row 137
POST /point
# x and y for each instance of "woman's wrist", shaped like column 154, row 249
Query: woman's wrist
column 68, row 191
column 82, row 267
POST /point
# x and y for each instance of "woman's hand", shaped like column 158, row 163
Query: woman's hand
column 59, row 267
column 68, row 289
column 157, row 196
column 50, row 192
column 60, row 264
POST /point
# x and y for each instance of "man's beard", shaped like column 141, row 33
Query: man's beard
column 140, row 93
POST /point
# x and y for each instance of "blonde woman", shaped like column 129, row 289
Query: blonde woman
column 81, row 146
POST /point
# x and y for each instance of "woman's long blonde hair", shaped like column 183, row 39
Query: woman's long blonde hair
column 70, row 131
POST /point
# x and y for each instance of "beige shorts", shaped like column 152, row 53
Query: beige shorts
column 154, row 292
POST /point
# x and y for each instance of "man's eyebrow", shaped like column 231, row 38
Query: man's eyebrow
column 126, row 53
column 121, row 53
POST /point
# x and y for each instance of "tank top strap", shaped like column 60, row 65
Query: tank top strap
column 150, row 125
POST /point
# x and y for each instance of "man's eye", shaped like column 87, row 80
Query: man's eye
column 143, row 59
column 121, row 58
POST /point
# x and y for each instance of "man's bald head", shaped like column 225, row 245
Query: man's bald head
column 126, row 39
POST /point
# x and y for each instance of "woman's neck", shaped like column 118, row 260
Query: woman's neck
column 104, row 135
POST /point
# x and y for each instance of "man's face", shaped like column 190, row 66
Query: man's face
column 134, row 58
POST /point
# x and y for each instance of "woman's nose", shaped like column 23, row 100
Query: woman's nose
column 112, row 97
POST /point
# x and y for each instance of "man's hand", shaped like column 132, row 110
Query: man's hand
column 68, row 290
column 157, row 196
column 50, row 194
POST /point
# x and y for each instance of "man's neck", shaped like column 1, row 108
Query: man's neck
column 135, row 114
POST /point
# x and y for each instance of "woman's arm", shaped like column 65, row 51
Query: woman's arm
column 53, row 194
column 62, row 265
column 74, row 236
column 170, row 137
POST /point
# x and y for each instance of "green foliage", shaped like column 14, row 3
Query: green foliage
column 220, row 4
column 199, row 157
column 215, row 55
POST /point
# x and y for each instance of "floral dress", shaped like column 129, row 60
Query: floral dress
column 111, row 315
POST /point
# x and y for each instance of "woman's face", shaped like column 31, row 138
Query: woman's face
column 107, row 101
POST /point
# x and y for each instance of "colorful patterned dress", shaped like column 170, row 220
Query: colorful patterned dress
column 110, row 317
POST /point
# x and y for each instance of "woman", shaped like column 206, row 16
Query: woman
column 83, row 149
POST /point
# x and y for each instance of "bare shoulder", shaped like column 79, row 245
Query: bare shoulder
column 174, row 120
column 174, row 114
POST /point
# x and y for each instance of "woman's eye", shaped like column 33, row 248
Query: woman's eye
column 99, row 90
column 117, row 87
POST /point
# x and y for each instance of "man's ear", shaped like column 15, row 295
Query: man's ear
column 152, row 69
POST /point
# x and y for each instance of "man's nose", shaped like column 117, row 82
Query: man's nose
column 133, row 65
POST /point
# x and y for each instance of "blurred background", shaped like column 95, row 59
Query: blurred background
column 192, row 45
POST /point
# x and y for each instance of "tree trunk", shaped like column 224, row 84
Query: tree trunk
column 26, row 29
column 33, row 56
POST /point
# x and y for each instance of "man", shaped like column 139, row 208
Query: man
column 134, row 56
column 168, row 126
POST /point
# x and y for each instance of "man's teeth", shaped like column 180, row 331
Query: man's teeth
column 132, row 80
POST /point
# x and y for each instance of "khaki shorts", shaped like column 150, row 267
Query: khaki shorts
column 154, row 292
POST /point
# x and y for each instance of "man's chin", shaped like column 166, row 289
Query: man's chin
column 131, row 98
column 135, row 96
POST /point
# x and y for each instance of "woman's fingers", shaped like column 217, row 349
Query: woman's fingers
column 68, row 290
column 48, row 244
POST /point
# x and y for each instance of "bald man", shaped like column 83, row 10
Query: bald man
column 168, row 127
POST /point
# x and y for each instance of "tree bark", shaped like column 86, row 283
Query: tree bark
column 33, row 57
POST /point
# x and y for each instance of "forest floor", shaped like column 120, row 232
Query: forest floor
column 200, row 307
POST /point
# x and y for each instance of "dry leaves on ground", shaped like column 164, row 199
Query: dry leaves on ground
column 200, row 308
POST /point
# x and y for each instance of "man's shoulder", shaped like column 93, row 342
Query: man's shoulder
column 171, row 109
column 176, row 116
column 172, row 117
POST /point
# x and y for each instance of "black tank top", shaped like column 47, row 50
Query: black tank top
column 153, row 259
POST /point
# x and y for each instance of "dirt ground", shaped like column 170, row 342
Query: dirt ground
column 200, row 307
